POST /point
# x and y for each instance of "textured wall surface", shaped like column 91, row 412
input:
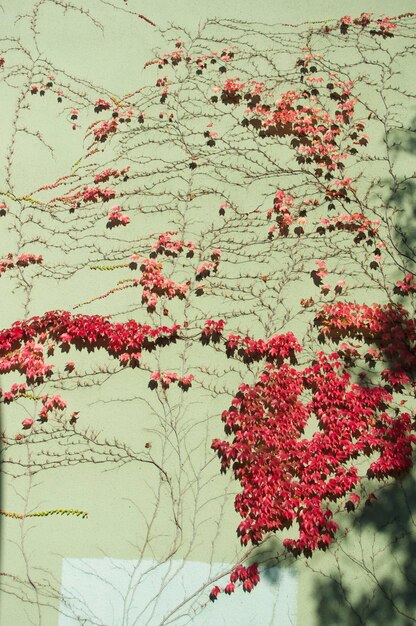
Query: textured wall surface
column 136, row 183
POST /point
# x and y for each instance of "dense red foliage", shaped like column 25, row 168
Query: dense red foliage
column 23, row 347
column 287, row 476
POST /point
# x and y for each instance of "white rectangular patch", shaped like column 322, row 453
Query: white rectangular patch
column 115, row 592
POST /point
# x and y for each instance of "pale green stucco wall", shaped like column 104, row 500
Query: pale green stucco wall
column 374, row 560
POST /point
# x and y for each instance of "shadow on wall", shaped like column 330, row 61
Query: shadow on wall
column 274, row 558
column 402, row 196
column 391, row 328
column 370, row 575
column 400, row 203
column 373, row 576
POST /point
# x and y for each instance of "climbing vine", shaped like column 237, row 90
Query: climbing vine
column 240, row 236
